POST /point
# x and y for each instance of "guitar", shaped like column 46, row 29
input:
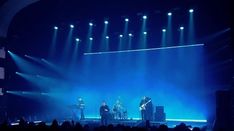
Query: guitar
column 81, row 105
column 142, row 107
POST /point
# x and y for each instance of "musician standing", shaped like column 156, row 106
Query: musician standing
column 81, row 107
column 104, row 113
column 142, row 107
column 118, row 108
column 146, row 108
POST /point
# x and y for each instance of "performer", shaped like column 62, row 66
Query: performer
column 104, row 113
column 142, row 107
column 146, row 108
column 81, row 106
column 118, row 109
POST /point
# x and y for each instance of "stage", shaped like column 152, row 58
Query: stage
column 163, row 61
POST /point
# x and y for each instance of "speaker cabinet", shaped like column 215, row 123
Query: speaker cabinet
column 160, row 115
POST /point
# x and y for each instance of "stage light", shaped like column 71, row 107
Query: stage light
column 16, row 72
column 90, row 38
column 191, row 11
column 164, row 30
column 187, row 120
column 169, row 14
column 9, row 51
column 181, row 28
column 126, row 19
column 71, row 26
column 90, row 24
column 77, row 39
column 120, row 35
column 129, row 34
column 107, row 37
column 148, row 49
column 144, row 17
column 106, row 22
column 145, row 33
column 55, row 27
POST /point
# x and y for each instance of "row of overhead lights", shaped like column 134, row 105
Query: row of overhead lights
column 126, row 20
column 130, row 34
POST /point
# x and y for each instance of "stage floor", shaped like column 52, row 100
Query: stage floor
column 95, row 122
column 133, row 123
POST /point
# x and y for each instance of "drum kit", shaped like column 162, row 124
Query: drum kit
column 119, row 112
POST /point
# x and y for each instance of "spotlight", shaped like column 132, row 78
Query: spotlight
column 16, row 72
column 106, row 22
column 121, row 36
column 126, row 19
column 191, row 11
column 181, row 28
column 164, row 30
column 144, row 17
column 77, row 39
column 71, row 26
column 90, row 24
column 145, row 33
column 129, row 34
column 90, row 38
column 9, row 51
column 169, row 14
column 107, row 37
column 55, row 27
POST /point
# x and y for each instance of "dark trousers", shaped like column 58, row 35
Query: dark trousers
column 104, row 119
column 143, row 114
column 82, row 114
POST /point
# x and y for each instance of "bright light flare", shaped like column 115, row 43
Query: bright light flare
column 56, row 27
column 191, row 10
column 144, row 17
column 71, row 26
column 77, row 39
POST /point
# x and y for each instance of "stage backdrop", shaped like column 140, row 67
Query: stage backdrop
column 173, row 78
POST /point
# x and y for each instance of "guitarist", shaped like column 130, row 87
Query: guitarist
column 146, row 108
